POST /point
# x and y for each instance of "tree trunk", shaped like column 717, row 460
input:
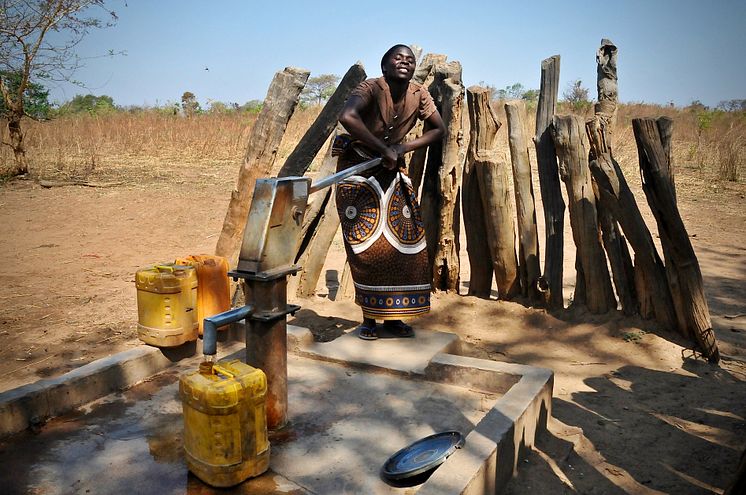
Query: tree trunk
column 482, row 130
column 690, row 303
column 568, row 133
column 16, row 143
column 528, row 240
column 308, row 147
column 650, row 278
column 494, row 185
column 266, row 135
column 549, row 183
column 440, row 206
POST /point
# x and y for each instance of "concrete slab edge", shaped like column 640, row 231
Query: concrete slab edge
column 490, row 455
column 44, row 399
column 485, row 464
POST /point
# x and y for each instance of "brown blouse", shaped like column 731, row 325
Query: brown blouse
column 378, row 113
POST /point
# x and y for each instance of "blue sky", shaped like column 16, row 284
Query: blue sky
column 669, row 50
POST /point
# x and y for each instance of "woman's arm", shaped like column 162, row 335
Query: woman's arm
column 435, row 133
column 351, row 120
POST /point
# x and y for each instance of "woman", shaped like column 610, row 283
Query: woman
column 381, row 222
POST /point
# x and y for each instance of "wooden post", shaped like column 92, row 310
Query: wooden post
column 425, row 69
column 568, row 133
column 320, row 224
column 315, row 253
column 606, row 82
column 689, row 297
column 600, row 131
column 549, row 183
column 614, row 242
column 616, row 196
column 440, row 196
column 528, row 241
column 424, row 75
column 266, row 135
column 482, row 130
column 494, row 185
column 417, row 51
column 346, row 284
column 308, row 147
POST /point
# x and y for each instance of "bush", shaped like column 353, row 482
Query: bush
column 90, row 104
column 577, row 96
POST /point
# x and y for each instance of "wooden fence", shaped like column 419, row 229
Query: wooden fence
column 498, row 199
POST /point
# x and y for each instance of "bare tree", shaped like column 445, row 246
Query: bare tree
column 26, row 51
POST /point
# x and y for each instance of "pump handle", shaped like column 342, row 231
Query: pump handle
column 340, row 176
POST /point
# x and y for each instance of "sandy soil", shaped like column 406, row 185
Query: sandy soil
column 634, row 410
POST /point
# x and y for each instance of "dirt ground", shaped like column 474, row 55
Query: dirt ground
column 634, row 410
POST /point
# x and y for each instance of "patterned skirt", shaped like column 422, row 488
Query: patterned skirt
column 385, row 244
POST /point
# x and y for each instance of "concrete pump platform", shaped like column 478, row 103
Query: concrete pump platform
column 352, row 404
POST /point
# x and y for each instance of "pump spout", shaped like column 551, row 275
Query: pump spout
column 211, row 324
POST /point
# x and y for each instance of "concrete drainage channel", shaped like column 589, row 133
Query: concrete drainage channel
column 351, row 405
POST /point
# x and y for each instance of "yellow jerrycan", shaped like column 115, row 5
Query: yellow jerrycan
column 225, row 422
column 166, row 305
column 213, row 285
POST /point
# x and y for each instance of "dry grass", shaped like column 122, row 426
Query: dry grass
column 127, row 146
column 138, row 146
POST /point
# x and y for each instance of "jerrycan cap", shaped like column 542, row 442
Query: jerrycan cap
column 421, row 456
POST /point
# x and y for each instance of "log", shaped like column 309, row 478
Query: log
column 497, row 198
column 424, row 75
column 549, row 183
column 528, row 241
column 615, row 195
column 606, row 83
column 314, row 256
column 440, row 196
column 692, row 312
column 601, row 130
column 417, row 51
column 264, row 141
column 483, row 126
column 308, row 147
column 568, row 133
column 622, row 269
column 346, row 284
column 318, row 199
column 665, row 128
column 311, row 253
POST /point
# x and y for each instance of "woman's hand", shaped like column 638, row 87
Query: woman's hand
column 392, row 154
column 390, row 157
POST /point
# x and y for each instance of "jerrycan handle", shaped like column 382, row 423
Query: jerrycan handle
column 164, row 268
column 217, row 369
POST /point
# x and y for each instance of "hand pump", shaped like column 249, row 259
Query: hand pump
column 267, row 257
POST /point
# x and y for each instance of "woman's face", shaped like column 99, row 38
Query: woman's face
column 400, row 65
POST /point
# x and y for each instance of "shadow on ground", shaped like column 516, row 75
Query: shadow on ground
column 597, row 438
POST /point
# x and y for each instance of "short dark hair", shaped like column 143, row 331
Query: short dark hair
column 391, row 51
